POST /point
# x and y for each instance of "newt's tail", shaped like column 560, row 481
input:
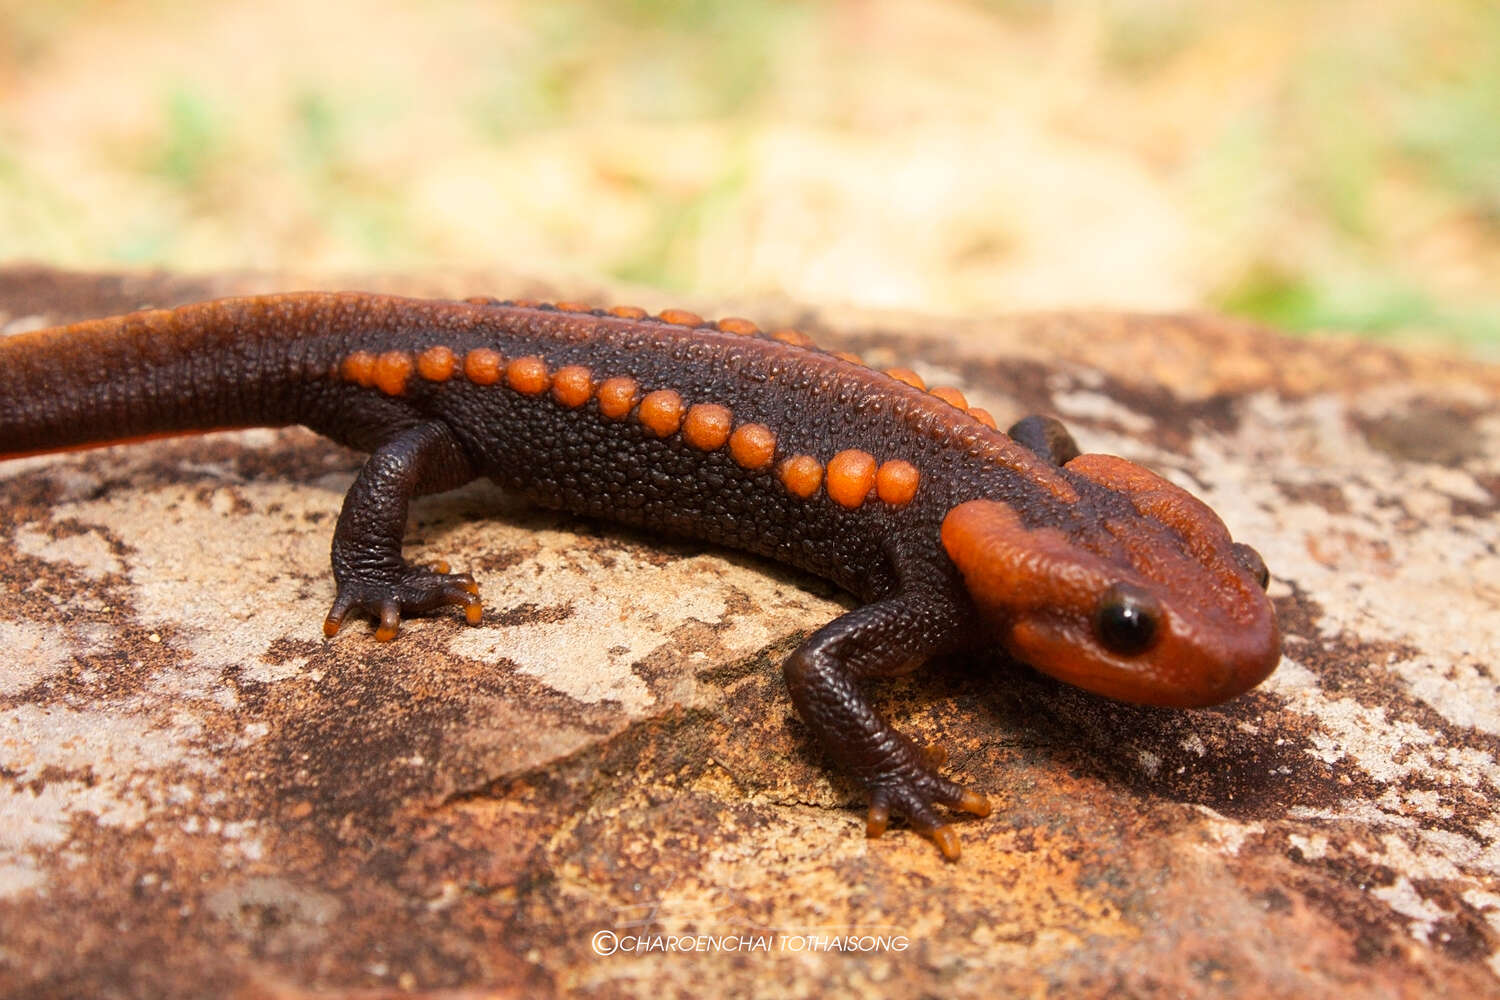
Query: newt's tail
column 217, row 365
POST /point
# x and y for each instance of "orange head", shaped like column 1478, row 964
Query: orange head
column 1154, row 604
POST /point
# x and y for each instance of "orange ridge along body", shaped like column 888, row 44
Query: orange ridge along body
column 952, row 534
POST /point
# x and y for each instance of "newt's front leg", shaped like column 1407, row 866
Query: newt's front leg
column 371, row 574
column 880, row 640
column 1047, row 437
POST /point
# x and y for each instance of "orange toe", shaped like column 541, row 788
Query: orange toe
column 946, row 840
column 974, row 803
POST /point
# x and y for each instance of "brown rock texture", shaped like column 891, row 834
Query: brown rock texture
column 603, row 791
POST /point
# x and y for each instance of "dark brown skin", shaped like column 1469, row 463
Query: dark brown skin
column 952, row 534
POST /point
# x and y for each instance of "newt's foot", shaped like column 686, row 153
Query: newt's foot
column 913, row 791
column 413, row 590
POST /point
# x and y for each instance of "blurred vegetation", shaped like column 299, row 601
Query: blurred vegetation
column 1379, row 133
column 1309, row 163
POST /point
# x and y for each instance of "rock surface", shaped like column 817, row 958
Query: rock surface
column 201, row 795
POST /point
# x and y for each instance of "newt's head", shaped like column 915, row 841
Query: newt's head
column 1158, row 605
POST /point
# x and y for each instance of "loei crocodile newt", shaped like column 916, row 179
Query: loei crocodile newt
column 951, row 534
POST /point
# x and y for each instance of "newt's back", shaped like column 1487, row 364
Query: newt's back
column 716, row 431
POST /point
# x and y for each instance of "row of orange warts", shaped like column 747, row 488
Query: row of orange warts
column 748, row 328
column 850, row 477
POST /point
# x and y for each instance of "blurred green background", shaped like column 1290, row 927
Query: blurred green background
column 1316, row 165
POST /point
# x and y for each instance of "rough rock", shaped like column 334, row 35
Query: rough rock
column 199, row 794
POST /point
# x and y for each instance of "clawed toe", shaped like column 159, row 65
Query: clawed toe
column 973, row 803
column 914, row 794
column 412, row 591
column 390, row 622
column 946, row 839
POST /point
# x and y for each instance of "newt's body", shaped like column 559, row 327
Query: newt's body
column 953, row 534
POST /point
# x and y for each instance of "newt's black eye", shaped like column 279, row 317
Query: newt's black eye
column 1127, row 619
column 1252, row 563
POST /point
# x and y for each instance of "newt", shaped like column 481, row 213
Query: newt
column 952, row 535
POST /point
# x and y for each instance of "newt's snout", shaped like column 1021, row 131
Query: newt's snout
column 1157, row 606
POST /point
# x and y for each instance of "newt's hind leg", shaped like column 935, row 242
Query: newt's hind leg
column 881, row 640
column 1047, row 437
column 372, row 576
